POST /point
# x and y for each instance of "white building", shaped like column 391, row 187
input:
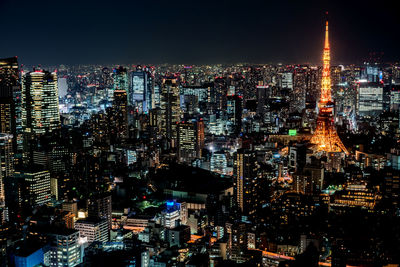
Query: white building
column 287, row 80
column 369, row 99
column 93, row 230
column 218, row 163
column 173, row 214
column 65, row 248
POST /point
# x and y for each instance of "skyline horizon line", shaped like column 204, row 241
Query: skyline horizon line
column 335, row 63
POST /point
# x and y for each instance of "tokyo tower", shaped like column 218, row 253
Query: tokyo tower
column 325, row 136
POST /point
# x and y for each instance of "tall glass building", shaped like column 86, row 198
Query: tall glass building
column 120, row 76
column 141, row 89
column 170, row 109
column 40, row 113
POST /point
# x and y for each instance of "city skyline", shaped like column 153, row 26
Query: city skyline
column 195, row 33
column 259, row 165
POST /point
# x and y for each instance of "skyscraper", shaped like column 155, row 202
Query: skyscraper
column 121, row 112
column 325, row 136
column 35, row 187
column 6, row 155
column 369, row 99
column 40, row 113
column 246, row 178
column 170, row 109
column 234, row 111
column 200, row 137
column 99, row 207
column 141, row 89
column 10, row 97
column 6, row 170
column 287, row 80
column 262, row 96
column 120, row 80
column 120, row 76
column 7, row 115
column 187, row 141
column 190, row 140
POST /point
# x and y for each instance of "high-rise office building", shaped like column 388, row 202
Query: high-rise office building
column 10, row 98
column 6, row 155
column 93, row 229
column 298, row 96
column 369, row 99
column 7, row 115
column 287, row 80
column 218, row 94
column 99, row 207
column 395, row 98
column 234, row 112
column 239, row 240
column 200, row 137
column 40, row 113
column 140, row 93
column 190, row 140
column 35, row 187
column 138, row 86
column 262, row 96
column 6, row 170
column 170, row 109
column 171, row 216
column 121, row 112
column 371, row 73
column 194, row 99
column 246, row 180
column 120, row 76
column 187, row 141
column 309, row 181
column 62, row 87
column 155, row 122
column 65, row 248
column 218, row 163
column 59, row 185
column 201, row 92
column 156, row 96
column 120, row 81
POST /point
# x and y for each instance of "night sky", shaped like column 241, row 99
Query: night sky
column 195, row 32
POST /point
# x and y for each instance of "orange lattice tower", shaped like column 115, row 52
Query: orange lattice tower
column 325, row 136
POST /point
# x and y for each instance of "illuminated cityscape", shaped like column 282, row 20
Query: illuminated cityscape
column 133, row 163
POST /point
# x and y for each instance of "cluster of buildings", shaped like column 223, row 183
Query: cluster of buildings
column 175, row 165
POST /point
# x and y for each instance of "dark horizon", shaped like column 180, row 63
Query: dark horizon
column 226, row 32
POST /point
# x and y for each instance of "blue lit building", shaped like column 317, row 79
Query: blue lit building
column 140, row 91
column 29, row 257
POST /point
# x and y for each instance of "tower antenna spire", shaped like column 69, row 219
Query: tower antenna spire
column 326, row 31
